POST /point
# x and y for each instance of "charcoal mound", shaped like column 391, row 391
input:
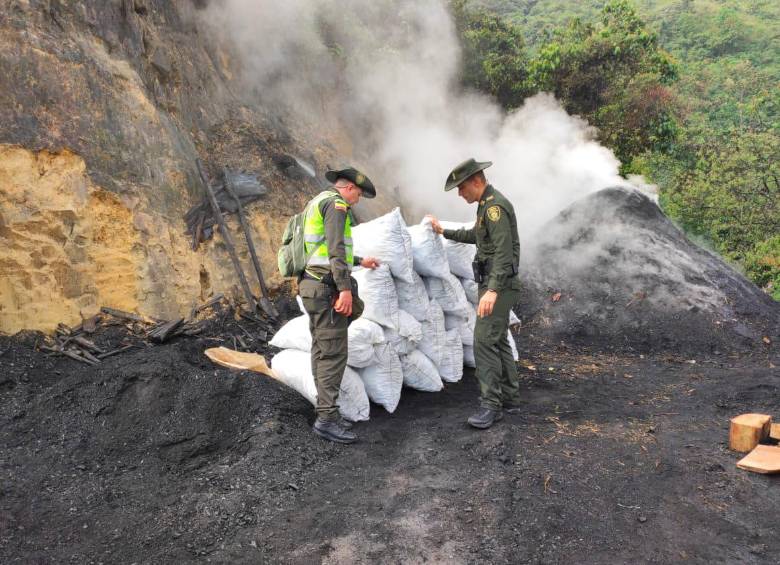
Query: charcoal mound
column 613, row 271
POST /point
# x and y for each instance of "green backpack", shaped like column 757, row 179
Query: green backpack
column 292, row 256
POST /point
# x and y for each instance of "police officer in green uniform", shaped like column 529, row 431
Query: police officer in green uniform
column 329, row 293
column 495, row 270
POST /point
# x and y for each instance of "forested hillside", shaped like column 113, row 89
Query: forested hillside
column 686, row 92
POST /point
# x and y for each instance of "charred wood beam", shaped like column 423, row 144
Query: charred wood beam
column 195, row 311
column 115, row 351
column 123, row 315
column 265, row 303
column 226, row 236
column 165, row 331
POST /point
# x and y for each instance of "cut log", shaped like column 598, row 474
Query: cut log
column 748, row 430
column 774, row 431
column 763, row 459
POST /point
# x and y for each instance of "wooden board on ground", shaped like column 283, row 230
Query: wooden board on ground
column 239, row 360
column 763, row 459
column 774, row 431
column 748, row 430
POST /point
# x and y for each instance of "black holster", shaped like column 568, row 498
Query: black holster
column 481, row 270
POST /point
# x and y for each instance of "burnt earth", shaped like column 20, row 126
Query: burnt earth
column 158, row 456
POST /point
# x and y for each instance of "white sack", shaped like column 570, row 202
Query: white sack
column 413, row 297
column 451, row 365
column 459, row 255
column 433, row 333
column 468, row 352
column 408, row 335
column 293, row 335
column 377, row 290
column 386, row 239
column 293, row 368
column 363, row 335
column 449, row 293
column 513, row 319
column 420, row 373
column 464, row 325
column 471, row 288
column 468, row 356
column 384, row 379
column 429, row 257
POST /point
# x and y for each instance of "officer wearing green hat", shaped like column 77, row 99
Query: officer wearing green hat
column 329, row 293
column 495, row 270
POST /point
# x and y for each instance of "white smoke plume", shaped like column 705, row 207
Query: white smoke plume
column 388, row 71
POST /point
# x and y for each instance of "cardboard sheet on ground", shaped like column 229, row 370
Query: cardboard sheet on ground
column 763, row 459
column 239, row 360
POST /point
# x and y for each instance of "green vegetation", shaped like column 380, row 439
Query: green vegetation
column 686, row 92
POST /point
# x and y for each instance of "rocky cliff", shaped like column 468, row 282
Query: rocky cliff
column 104, row 107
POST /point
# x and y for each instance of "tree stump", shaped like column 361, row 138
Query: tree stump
column 748, row 430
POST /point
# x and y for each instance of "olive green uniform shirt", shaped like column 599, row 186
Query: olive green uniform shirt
column 495, row 234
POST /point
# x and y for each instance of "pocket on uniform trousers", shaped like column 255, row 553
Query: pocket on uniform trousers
column 487, row 330
column 333, row 342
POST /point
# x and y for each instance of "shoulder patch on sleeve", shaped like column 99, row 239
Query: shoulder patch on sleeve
column 494, row 213
column 340, row 205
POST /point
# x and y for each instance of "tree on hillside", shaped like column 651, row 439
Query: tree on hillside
column 494, row 57
column 614, row 74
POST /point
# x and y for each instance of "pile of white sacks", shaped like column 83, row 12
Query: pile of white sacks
column 417, row 329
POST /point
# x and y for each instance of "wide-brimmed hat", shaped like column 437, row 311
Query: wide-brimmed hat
column 353, row 176
column 464, row 171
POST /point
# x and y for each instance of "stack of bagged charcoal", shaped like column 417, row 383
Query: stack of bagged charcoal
column 417, row 329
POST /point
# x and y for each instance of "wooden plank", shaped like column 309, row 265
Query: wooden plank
column 763, row 459
column 747, row 430
column 228, row 239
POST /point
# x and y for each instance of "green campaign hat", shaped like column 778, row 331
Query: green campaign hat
column 354, row 176
column 464, row 171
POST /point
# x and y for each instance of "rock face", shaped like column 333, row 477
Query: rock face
column 612, row 270
column 104, row 107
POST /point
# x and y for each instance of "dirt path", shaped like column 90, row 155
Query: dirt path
column 162, row 458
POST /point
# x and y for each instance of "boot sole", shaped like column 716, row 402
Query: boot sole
column 335, row 439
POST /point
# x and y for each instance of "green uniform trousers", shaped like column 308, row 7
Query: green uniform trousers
column 328, row 342
column 496, row 369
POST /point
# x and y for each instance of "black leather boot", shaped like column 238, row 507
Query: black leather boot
column 346, row 424
column 484, row 418
column 332, row 431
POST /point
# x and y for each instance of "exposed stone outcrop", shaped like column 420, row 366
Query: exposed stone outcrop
column 104, row 107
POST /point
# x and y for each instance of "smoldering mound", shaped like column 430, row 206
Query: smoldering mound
column 611, row 270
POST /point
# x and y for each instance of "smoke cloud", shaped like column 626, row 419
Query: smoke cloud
column 387, row 72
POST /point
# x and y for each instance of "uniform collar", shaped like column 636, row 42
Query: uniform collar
column 338, row 194
column 487, row 195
